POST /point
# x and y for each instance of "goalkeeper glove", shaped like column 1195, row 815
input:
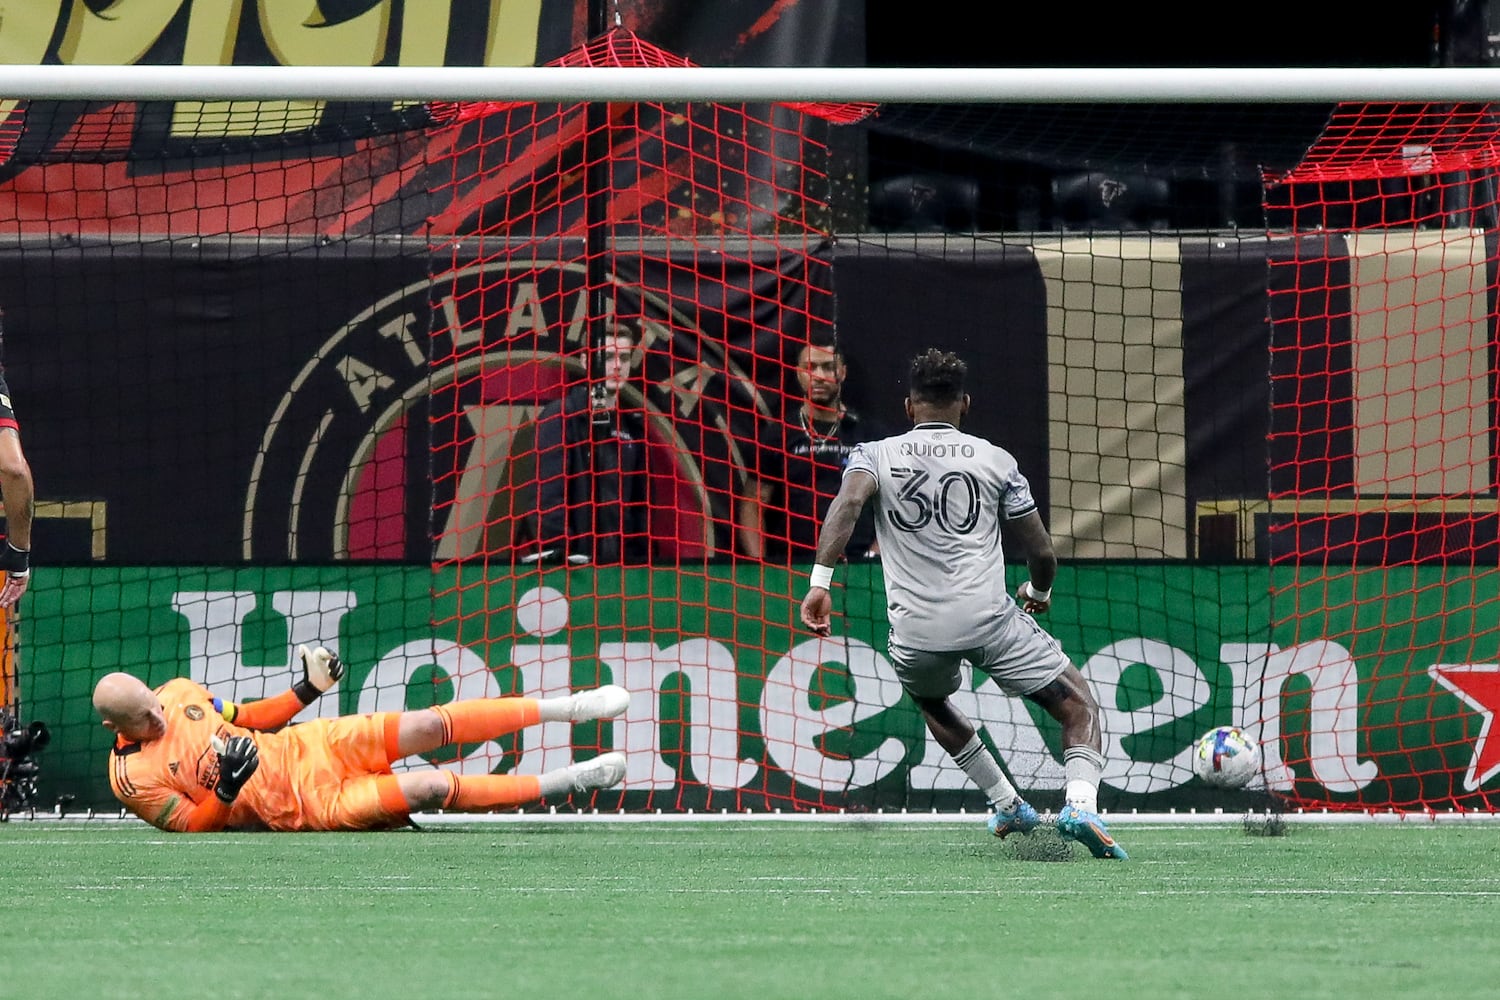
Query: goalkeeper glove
column 238, row 759
column 321, row 670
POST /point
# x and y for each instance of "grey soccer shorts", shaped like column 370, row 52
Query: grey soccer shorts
column 1018, row 654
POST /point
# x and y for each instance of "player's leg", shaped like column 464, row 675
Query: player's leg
column 438, row 789
column 930, row 678
column 344, row 780
column 481, row 719
column 1067, row 699
column 1024, row 660
column 383, row 801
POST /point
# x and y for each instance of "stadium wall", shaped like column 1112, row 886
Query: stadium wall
column 146, row 442
column 226, row 354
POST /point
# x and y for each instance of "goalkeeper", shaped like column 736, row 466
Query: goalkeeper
column 184, row 760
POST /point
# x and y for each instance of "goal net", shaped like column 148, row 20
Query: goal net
column 517, row 398
column 1380, row 521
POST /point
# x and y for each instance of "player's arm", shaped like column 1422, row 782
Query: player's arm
column 1035, row 595
column 321, row 670
column 178, row 814
column 168, row 809
column 19, row 494
column 833, row 536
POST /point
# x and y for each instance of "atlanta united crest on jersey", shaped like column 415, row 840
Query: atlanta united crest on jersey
column 940, row 498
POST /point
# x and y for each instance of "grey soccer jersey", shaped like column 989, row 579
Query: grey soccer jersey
column 940, row 497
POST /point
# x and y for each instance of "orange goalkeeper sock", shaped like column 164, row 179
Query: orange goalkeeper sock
column 486, row 718
column 473, row 792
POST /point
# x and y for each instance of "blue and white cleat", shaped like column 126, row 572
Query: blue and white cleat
column 1089, row 830
column 1021, row 819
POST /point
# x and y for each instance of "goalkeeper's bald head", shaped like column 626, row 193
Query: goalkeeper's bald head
column 129, row 707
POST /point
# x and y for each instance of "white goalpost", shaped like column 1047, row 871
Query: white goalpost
column 1207, row 85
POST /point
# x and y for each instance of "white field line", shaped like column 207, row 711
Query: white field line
column 1171, row 818
column 1040, row 891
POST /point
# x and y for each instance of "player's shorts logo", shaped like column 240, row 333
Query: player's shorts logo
column 414, row 417
column 193, row 712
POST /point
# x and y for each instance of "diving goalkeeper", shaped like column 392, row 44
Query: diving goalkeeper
column 186, row 761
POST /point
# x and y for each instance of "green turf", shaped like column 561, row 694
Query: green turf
column 736, row 909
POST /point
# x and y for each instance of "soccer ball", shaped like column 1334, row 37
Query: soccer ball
column 1226, row 757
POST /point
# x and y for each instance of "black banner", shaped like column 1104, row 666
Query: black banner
column 226, row 403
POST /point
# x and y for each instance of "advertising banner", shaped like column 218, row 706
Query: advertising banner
column 733, row 707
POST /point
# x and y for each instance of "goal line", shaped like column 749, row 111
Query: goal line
column 895, row 817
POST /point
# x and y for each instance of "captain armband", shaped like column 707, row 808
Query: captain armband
column 227, row 710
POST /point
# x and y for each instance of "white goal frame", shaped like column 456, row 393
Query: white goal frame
column 906, row 85
column 1208, row 85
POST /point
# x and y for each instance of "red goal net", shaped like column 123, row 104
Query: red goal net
column 520, row 398
column 627, row 292
column 1381, row 685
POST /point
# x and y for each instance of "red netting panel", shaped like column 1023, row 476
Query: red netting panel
column 630, row 285
column 12, row 125
column 1368, row 141
column 1383, row 472
column 622, row 49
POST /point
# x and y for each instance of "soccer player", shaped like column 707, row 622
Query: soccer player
column 19, row 494
column 184, row 760
column 940, row 497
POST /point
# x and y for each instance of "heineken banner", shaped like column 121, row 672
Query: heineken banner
column 735, row 708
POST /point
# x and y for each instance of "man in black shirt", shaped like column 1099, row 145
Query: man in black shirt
column 799, row 465
column 591, row 466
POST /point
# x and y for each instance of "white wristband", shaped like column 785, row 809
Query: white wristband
column 1041, row 596
column 821, row 576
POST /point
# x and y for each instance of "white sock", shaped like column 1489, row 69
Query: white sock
column 558, row 782
column 1083, row 767
column 982, row 768
column 556, row 709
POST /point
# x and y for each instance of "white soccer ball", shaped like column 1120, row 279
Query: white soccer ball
column 1226, row 757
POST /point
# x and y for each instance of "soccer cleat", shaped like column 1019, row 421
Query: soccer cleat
column 1089, row 830
column 1021, row 819
column 599, row 703
column 598, row 772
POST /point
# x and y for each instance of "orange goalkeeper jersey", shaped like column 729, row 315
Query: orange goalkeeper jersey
column 161, row 780
column 300, row 773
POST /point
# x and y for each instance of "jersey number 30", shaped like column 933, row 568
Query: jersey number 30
column 953, row 502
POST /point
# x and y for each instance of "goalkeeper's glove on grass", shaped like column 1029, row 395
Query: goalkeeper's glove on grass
column 321, row 670
column 238, row 759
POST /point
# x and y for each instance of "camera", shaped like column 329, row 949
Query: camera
column 18, row 768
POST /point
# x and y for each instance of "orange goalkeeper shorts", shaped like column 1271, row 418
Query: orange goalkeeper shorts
column 330, row 771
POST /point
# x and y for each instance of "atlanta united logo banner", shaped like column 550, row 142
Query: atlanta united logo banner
column 315, row 404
